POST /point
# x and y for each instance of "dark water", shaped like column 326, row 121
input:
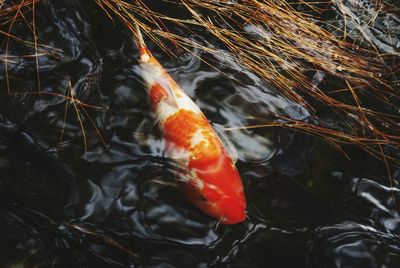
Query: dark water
column 110, row 202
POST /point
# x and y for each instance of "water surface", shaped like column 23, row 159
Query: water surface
column 104, row 197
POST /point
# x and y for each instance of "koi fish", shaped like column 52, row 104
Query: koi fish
column 211, row 181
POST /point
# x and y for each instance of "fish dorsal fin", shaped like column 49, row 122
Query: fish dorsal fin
column 161, row 92
column 168, row 85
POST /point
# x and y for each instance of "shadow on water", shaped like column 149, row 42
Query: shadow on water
column 115, row 204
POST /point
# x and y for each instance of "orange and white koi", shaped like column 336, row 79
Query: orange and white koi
column 211, row 180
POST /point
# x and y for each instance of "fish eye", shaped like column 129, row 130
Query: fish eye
column 204, row 198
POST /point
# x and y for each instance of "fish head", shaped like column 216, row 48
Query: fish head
column 227, row 206
column 217, row 190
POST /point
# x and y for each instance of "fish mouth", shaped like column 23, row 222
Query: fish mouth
column 231, row 221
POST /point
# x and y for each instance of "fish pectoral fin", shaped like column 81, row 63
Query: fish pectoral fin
column 168, row 84
column 172, row 101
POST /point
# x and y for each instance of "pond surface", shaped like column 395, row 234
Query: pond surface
column 86, row 184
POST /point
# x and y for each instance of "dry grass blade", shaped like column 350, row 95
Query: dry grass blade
column 102, row 237
column 281, row 46
column 10, row 14
column 35, row 41
column 272, row 39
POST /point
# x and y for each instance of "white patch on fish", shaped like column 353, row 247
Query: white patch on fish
column 197, row 138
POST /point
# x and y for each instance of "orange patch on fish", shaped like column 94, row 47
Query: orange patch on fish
column 181, row 127
column 157, row 94
column 143, row 51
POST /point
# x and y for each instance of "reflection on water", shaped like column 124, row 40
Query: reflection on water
column 116, row 204
column 350, row 244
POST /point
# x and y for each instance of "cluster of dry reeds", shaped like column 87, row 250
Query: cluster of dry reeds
column 284, row 48
column 10, row 14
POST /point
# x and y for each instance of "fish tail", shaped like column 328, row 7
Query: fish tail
column 138, row 37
